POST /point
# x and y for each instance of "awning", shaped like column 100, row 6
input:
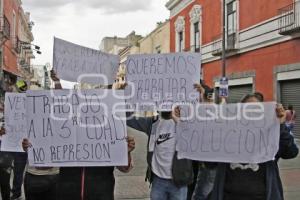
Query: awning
column 12, row 71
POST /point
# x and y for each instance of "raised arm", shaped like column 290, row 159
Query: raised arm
column 143, row 124
column 57, row 84
column 287, row 146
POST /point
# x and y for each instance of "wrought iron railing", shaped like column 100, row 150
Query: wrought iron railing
column 17, row 44
column 289, row 19
column 230, row 44
column 5, row 27
column 193, row 48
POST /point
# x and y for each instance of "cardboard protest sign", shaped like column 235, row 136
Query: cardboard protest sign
column 157, row 81
column 76, row 63
column 235, row 133
column 76, row 128
column 15, row 122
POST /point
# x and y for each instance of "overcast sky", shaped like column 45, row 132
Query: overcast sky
column 86, row 22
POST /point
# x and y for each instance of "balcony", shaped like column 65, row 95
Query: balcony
column 289, row 20
column 4, row 28
column 193, row 48
column 17, row 45
column 230, row 45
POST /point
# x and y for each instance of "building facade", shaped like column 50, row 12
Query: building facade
column 114, row 44
column 15, row 40
column 158, row 41
column 262, row 44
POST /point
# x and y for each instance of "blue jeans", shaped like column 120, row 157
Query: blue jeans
column 165, row 189
column 205, row 183
column 20, row 160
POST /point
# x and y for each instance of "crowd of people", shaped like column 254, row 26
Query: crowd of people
column 171, row 178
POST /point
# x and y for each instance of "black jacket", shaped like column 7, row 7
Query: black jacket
column 287, row 150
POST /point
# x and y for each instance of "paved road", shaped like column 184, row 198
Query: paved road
column 133, row 185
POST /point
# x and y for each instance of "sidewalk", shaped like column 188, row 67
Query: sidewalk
column 290, row 176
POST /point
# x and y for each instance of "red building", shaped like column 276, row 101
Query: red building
column 15, row 35
column 262, row 44
column 9, row 27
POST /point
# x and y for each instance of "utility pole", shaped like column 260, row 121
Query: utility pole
column 223, row 89
column 223, row 41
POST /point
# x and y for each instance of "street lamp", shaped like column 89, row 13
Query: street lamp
column 27, row 45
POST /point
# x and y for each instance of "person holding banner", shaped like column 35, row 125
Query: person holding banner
column 89, row 183
column 206, row 170
column 169, row 176
column 40, row 182
column 92, row 183
column 255, row 181
column 5, row 162
column 20, row 158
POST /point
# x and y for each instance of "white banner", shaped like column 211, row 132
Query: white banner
column 76, row 128
column 234, row 133
column 76, row 63
column 156, row 81
column 15, row 122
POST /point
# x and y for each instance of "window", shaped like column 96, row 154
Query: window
column 195, row 28
column 1, row 58
column 1, row 8
column 180, row 33
column 158, row 49
column 231, row 18
column 181, row 44
column 231, row 12
column 196, row 37
column 14, row 25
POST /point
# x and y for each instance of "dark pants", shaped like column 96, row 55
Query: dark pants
column 20, row 160
column 191, row 187
column 40, row 187
column 98, row 184
column 4, row 183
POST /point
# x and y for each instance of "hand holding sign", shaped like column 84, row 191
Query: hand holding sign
column 26, row 144
column 53, row 75
column 131, row 144
column 281, row 114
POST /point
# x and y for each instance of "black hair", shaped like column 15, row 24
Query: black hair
column 259, row 96
column 254, row 95
column 290, row 107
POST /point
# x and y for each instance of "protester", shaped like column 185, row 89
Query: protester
column 259, row 96
column 92, row 183
column 20, row 158
column 290, row 118
column 252, row 181
column 40, row 182
column 89, row 183
column 5, row 161
column 167, row 181
column 206, row 170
